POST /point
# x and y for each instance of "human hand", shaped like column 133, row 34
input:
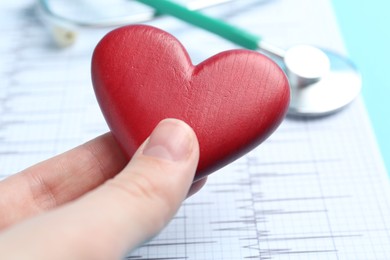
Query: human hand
column 77, row 206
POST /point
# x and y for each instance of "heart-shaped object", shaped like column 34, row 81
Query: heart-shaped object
column 233, row 100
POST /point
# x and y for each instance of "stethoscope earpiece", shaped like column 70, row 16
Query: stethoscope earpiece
column 321, row 81
column 63, row 37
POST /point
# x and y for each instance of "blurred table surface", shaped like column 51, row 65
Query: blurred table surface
column 365, row 28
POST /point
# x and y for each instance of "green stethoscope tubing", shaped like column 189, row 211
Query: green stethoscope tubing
column 225, row 30
column 308, row 90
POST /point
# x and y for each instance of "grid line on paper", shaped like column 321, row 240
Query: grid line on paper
column 316, row 170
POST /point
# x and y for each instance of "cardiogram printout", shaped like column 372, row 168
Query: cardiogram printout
column 316, row 189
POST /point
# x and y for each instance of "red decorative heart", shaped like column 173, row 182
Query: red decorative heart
column 233, row 100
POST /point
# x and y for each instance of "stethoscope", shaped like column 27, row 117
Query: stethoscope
column 321, row 81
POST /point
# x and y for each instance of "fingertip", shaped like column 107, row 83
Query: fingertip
column 196, row 186
column 173, row 140
column 168, row 160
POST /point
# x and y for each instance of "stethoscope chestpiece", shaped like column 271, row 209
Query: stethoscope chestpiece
column 322, row 82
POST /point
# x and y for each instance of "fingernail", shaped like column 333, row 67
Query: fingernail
column 170, row 140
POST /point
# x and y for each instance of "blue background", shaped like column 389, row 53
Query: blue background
column 365, row 26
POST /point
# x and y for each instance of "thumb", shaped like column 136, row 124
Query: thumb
column 126, row 210
column 151, row 188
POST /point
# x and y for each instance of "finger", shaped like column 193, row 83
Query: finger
column 60, row 179
column 196, row 186
column 125, row 211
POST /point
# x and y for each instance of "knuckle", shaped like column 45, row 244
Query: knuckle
column 144, row 187
column 92, row 160
column 42, row 193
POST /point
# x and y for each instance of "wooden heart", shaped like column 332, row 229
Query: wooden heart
column 233, row 100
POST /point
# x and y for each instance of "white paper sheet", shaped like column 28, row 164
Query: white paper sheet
column 316, row 189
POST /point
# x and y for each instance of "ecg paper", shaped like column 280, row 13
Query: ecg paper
column 316, row 189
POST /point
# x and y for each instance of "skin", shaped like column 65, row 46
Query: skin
column 90, row 203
